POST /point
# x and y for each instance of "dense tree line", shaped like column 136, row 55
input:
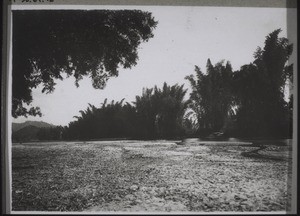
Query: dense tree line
column 111, row 120
column 248, row 102
column 35, row 133
column 160, row 111
column 260, row 87
column 52, row 133
column 212, row 96
column 157, row 113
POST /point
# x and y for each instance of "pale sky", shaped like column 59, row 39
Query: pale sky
column 184, row 37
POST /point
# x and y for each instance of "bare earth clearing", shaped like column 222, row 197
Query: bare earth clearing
column 149, row 176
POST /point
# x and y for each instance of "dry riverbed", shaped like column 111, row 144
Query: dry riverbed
column 150, row 176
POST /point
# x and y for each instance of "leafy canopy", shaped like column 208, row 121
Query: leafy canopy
column 250, row 100
column 94, row 43
column 259, row 87
column 211, row 96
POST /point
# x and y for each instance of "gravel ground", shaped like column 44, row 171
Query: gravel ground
column 150, row 176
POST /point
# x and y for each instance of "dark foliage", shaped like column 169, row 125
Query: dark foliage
column 91, row 43
column 53, row 133
column 249, row 102
column 158, row 113
column 114, row 120
column 28, row 133
column 245, row 103
column 37, row 131
column 212, row 97
column 259, row 86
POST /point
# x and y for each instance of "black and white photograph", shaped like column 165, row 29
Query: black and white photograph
column 151, row 108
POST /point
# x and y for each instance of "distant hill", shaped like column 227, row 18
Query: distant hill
column 39, row 124
column 27, row 133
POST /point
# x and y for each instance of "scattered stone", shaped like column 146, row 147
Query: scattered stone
column 168, row 179
column 144, row 189
column 130, row 197
column 232, row 203
column 214, row 196
column 240, row 197
column 247, row 203
column 134, row 187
